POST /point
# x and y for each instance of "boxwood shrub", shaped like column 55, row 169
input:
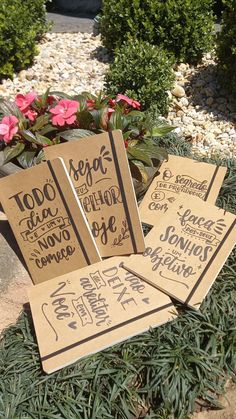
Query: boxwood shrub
column 143, row 72
column 22, row 23
column 226, row 47
column 184, row 27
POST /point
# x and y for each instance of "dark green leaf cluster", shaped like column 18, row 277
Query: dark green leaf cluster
column 183, row 27
column 141, row 71
column 163, row 372
column 226, row 47
column 22, row 23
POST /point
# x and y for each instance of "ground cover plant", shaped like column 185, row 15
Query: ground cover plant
column 183, row 27
column 164, row 371
column 22, row 24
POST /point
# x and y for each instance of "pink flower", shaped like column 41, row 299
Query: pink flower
column 90, row 103
column 64, row 112
column 112, row 102
column 31, row 115
column 24, row 101
column 110, row 111
column 8, row 128
column 131, row 102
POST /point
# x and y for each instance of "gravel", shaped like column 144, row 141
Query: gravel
column 74, row 62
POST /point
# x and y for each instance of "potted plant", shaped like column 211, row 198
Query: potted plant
column 32, row 122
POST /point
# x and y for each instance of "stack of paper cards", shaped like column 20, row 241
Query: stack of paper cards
column 186, row 250
column 99, row 170
column 178, row 177
column 81, row 205
column 47, row 220
column 91, row 309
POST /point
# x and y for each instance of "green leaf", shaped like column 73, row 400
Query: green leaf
column 41, row 140
column 152, row 151
column 10, row 152
column 29, row 136
column 138, row 154
column 10, row 108
column 75, row 134
column 47, row 129
column 136, row 173
column 40, row 122
column 98, row 117
column 61, row 95
column 44, row 97
column 126, row 134
column 26, row 159
column 160, row 131
column 40, row 157
column 135, row 114
column 118, row 121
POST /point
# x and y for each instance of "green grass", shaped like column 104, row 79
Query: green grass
column 165, row 371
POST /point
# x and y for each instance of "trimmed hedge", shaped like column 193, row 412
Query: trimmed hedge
column 22, row 23
column 183, row 27
column 141, row 71
column 226, row 47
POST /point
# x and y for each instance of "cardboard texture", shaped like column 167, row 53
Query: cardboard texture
column 99, row 170
column 180, row 176
column 47, row 220
column 186, row 250
column 91, row 309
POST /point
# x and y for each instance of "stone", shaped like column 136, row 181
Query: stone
column 187, row 120
column 22, row 75
column 210, row 101
column 199, row 137
column 178, row 91
column 182, row 67
column 184, row 101
column 209, row 138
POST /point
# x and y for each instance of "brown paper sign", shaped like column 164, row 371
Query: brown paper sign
column 47, row 220
column 178, row 177
column 186, row 250
column 93, row 308
column 99, row 170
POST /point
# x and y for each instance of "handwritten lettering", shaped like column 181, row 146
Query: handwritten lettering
column 171, row 262
column 94, row 201
column 190, row 182
column 188, row 217
column 58, row 301
column 186, row 245
column 97, row 303
column 61, row 254
column 35, row 218
column 53, row 239
column 85, row 169
column 103, row 229
column 36, row 198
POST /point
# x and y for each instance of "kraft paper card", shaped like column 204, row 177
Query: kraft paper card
column 180, row 176
column 93, row 308
column 47, row 220
column 186, row 250
column 99, row 170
